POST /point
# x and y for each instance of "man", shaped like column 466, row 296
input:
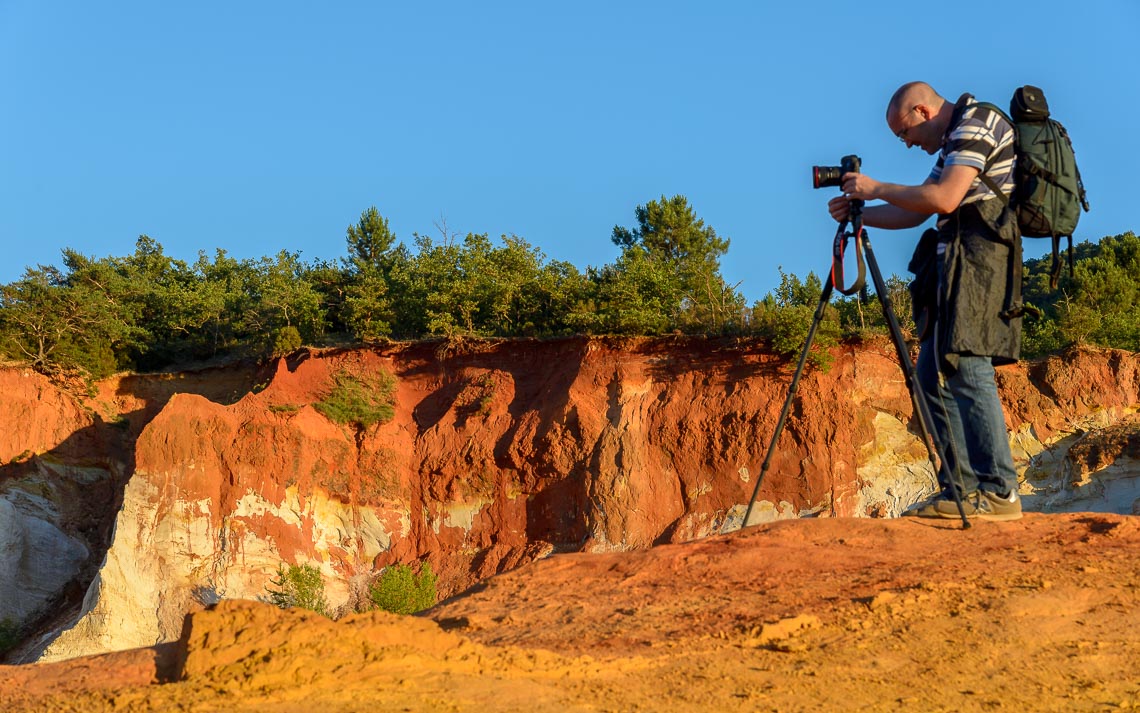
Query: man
column 971, row 291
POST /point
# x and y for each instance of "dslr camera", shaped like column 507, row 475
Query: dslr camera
column 824, row 176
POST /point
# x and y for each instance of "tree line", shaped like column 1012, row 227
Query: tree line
column 148, row 311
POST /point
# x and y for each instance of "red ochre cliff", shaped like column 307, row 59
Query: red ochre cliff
column 122, row 511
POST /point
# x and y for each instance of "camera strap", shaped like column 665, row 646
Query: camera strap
column 838, row 248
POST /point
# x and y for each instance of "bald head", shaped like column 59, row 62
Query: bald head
column 913, row 94
column 919, row 116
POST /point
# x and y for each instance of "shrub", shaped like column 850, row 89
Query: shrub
column 286, row 341
column 787, row 328
column 299, row 586
column 360, row 400
column 400, row 591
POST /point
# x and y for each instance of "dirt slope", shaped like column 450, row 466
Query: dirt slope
column 814, row 614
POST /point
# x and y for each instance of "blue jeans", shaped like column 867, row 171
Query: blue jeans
column 968, row 422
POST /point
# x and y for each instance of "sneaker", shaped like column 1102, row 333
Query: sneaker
column 991, row 506
column 945, row 508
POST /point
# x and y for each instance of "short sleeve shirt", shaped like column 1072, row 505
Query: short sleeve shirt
column 984, row 140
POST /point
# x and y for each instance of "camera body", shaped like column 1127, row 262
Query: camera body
column 824, row 176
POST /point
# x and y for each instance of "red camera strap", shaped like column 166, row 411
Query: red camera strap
column 837, row 250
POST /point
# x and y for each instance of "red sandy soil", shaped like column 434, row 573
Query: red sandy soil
column 818, row 614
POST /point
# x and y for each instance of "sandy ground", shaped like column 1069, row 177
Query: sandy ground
column 823, row 614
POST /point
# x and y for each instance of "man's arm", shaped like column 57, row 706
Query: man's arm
column 941, row 196
column 892, row 217
column 884, row 215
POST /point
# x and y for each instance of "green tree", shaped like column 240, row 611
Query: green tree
column 405, row 294
column 9, row 635
column 286, row 341
column 331, row 280
column 1099, row 303
column 370, row 242
column 224, row 294
column 473, row 287
column 508, row 279
column 449, row 302
column 638, row 294
column 670, row 230
column 671, row 233
column 368, row 313
column 547, row 306
column 56, row 325
column 280, row 294
column 856, row 317
column 39, row 313
column 162, row 302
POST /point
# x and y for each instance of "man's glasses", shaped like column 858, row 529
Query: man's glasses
column 902, row 132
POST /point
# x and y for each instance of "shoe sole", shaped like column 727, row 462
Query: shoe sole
column 998, row 517
column 936, row 515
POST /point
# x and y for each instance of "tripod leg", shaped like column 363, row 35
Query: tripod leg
column 921, row 408
column 824, row 297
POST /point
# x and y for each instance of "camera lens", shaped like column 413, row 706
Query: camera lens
column 824, row 176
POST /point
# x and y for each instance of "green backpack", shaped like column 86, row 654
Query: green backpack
column 1048, row 193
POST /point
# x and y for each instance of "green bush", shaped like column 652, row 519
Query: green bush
column 298, row 586
column 360, row 400
column 785, row 317
column 400, row 591
column 787, row 328
column 286, row 341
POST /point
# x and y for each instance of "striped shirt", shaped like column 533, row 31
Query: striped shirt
column 984, row 140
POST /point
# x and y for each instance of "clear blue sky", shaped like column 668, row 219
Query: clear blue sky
column 261, row 126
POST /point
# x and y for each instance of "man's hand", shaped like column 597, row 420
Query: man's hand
column 840, row 208
column 860, row 186
column 855, row 186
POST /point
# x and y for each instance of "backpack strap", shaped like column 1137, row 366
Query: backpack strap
column 1014, row 305
column 993, row 187
column 990, row 184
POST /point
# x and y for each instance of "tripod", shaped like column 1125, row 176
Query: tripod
column 835, row 280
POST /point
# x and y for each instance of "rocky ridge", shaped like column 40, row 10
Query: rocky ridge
column 498, row 454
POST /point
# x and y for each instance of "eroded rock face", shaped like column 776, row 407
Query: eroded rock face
column 37, row 558
column 60, row 468
column 501, row 452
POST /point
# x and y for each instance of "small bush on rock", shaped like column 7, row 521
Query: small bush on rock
column 360, row 400
column 400, row 591
column 299, row 586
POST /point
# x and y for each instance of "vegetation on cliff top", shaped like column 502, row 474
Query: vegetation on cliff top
column 149, row 311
